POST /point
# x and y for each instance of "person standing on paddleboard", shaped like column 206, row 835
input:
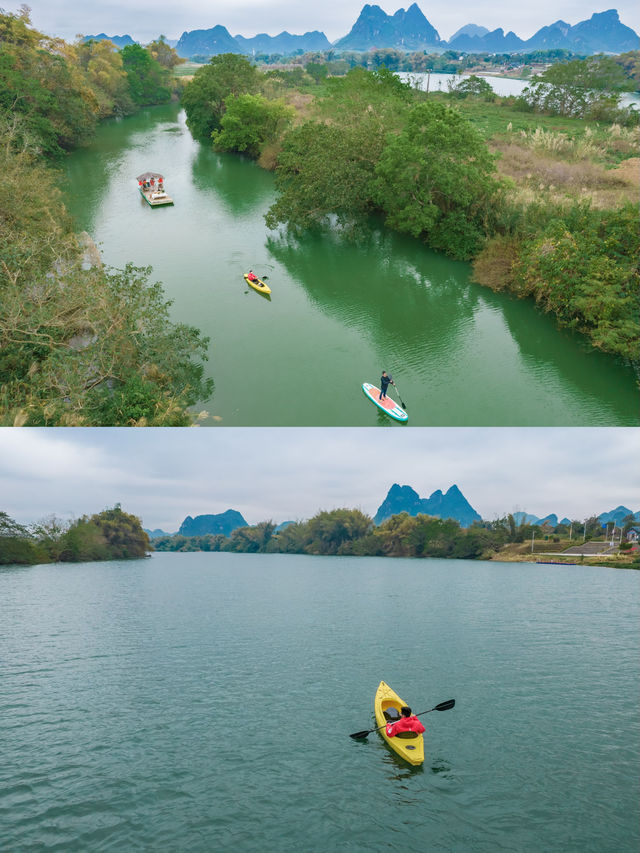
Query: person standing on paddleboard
column 385, row 380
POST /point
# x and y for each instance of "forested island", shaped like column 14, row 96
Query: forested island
column 108, row 535
column 80, row 345
column 539, row 192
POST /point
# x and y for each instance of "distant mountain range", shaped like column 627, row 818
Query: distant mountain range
column 618, row 515
column 451, row 504
column 201, row 525
column 119, row 41
column 409, row 30
column 602, row 33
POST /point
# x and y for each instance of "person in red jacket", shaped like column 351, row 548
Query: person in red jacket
column 406, row 723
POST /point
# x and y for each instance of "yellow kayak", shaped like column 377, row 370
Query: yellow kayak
column 408, row 745
column 258, row 285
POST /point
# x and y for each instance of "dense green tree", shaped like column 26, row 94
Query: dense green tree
column 630, row 63
column 329, row 532
column 251, row 540
column 250, row 122
column 472, row 86
column 37, row 83
column 584, row 88
column 289, row 540
column 318, row 71
column 123, row 533
column 103, row 67
column 325, row 170
column 327, row 166
column 204, row 97
column 35, row 231
column 593, row 527
column 435, row 180
column 164, row 54
column 148, row 79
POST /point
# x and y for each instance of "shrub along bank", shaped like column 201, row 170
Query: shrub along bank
column 108, row 535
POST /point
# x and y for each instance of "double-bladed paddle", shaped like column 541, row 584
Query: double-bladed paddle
column 443, row 706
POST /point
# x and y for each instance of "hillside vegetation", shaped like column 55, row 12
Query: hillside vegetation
column 79, row 344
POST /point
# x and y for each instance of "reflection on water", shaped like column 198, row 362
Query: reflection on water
column 422, row 308
column 340, row 311
column 226, row 177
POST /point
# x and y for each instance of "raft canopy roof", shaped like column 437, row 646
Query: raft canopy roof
column 146, row 176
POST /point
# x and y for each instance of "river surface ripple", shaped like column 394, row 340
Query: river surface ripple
column 199, row 702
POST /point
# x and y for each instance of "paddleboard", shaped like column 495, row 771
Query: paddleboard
column 389, row 406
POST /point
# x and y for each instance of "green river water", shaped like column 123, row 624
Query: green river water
column 340, row 311
column 203, row 702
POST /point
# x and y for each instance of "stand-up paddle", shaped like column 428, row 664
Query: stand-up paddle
column 443, row 706
column 402, row 403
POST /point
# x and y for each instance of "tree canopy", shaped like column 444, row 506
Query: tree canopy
column 148, row 79
column 585, row 88
column 204, row 97
column 108, row 535
column 249, row 123
column 435, row 180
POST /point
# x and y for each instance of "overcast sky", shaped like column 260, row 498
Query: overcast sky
column 163, row 475
column 146, row 19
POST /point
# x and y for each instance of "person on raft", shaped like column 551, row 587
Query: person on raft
column 406, row 723
column 385, row 380
column 252, row 276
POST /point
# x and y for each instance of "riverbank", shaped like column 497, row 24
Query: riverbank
column 543, row 554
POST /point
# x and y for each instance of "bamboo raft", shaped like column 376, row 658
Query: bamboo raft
column 151, row 186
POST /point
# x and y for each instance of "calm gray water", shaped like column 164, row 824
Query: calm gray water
column 200, row 702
